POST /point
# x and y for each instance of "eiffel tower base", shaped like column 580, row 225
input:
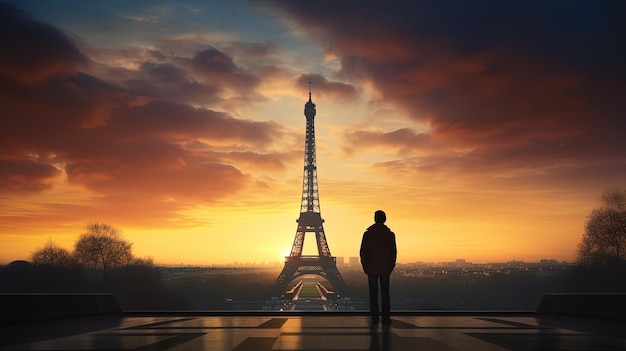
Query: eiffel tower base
column 323, row 266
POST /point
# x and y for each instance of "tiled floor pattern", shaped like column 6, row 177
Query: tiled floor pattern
column 435, row 333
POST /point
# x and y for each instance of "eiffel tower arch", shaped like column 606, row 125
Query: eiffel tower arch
column 310, row 222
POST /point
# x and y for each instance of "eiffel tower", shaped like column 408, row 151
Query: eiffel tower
column 310, row 221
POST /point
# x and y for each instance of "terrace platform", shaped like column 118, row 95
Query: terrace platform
column 257, row 331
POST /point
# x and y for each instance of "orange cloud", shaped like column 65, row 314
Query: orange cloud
column 26, row 176
column 402, row 141
column 131, row 144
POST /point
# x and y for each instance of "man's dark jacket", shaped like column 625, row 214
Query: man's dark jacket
column 378, row 250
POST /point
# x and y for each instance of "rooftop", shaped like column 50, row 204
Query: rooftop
column 436, row 331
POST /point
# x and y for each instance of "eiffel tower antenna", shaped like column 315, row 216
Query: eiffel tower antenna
column 310, row 90
column 310, row 221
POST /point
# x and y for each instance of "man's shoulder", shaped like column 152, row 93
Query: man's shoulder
column 388, row 230
column 371, row 227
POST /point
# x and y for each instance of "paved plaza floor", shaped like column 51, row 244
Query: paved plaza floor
column 435, row 332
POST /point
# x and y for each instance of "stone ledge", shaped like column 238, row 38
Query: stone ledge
column 24, row 307
column 603, row 305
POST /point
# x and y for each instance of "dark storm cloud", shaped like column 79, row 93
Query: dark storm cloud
column 215, row 66
column 255, row 57
column 212, row 60
column 528, row 77
column 166, row 81
column 122, row 138
column 556, row 28
column 163, row 73
column 179, row 122
column 33, row 51
column 197, row 68
column 208, row 77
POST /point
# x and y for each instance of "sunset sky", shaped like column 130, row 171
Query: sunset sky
column 487, row 130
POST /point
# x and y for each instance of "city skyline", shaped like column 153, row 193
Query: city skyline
column 485, row 132
column 277, row 265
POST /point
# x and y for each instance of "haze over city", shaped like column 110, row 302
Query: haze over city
column 486, row 130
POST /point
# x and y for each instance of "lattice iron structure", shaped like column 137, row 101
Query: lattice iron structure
column 310, row 221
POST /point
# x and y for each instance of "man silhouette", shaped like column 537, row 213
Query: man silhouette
column 378, row 258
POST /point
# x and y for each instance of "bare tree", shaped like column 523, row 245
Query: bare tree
column 605, row 231
column 53, row 255
column 102, row 247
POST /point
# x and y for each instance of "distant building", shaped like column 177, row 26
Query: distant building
column 548, row 261
column 340, row 260
column 354, row 262
column 461, row 262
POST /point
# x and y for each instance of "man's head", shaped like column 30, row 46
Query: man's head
column 380, row 217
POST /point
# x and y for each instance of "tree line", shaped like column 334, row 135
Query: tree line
column 604, row 240
column 99, row 249
column 101, row 261
column 601, row 255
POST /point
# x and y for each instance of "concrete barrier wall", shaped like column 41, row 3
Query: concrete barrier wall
column 40, row 306
column 604, row 305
